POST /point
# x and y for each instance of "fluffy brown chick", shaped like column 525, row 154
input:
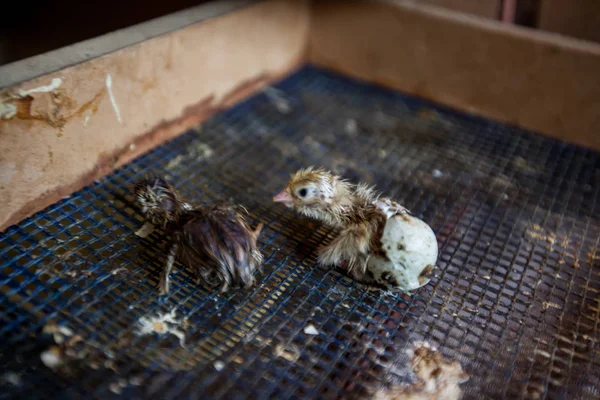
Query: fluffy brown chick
column 319, row 194
column 378, row 239
column 215, row 240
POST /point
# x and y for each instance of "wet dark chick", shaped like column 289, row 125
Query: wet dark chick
column 215, row 240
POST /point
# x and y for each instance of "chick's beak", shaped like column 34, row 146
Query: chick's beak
column 283, row 197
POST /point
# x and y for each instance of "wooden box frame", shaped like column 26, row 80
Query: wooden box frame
column 72, row 115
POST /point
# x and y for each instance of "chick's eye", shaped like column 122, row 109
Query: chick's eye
column 302, row 192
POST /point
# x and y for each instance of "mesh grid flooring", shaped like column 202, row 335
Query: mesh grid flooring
column 515, row 296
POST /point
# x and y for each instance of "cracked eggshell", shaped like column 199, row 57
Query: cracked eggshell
column 412, row 250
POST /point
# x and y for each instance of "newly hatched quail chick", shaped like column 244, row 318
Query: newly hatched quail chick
column 214, row 240
column 378, row 239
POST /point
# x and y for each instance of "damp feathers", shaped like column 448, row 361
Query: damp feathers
column 215, row 240
column 220, row 233
column 159, row 201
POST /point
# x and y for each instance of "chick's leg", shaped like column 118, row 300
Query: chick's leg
column 351, row 247
column 163, row 286
column 257, row 231
column 257, row 256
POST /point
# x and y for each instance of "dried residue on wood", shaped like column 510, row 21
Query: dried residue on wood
column 435, row 377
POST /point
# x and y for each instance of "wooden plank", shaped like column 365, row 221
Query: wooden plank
column 52, row 61
column 81, row 122
column 485, row 8
column 577, row 18
column 540, row 81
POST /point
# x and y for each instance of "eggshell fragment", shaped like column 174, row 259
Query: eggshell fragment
column 411, row 249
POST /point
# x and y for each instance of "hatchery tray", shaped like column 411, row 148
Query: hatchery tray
column 515, row 298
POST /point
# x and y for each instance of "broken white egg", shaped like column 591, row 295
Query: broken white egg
column 410, row 251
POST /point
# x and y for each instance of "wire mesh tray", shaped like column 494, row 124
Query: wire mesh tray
column 515, row 297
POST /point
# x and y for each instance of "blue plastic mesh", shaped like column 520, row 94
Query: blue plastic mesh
column 515, row 297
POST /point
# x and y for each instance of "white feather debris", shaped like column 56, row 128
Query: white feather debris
column 111, row 95
column 276, row 96
column 58, row 332
column 311, row 330
column 52, row 358
column 12, row 378
column 351, row 127
column 160, row 325
column 145, row 230
column 219, row 365
column 435, row 377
